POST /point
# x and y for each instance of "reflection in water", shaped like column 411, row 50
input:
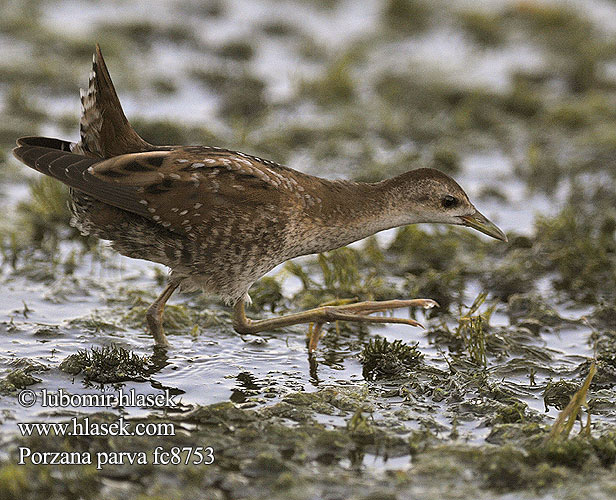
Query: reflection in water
column 248, row 387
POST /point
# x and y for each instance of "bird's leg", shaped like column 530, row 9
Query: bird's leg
column 315, row 336
column 358, row 311
column 154, row 314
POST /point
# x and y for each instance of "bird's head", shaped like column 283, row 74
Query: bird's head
column 435, row 197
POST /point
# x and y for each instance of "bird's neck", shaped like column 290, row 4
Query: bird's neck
column 350, row 211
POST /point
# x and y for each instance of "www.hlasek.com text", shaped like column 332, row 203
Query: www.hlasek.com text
column 85, row 427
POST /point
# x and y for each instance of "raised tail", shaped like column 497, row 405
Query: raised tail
column 104, row 129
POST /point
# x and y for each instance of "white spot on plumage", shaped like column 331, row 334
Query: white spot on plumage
column 197, row 206
column 198, row 165
column 183, row 212
column 182, row 160
column 151, row 210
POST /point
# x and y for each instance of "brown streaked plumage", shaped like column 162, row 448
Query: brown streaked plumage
column 221, row 219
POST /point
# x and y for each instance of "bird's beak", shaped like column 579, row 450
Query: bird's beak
column 481, row 223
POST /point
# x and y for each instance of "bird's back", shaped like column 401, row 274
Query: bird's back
column 221, row 217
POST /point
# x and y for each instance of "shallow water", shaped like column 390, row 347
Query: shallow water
column 205, row 369
column 257, row 371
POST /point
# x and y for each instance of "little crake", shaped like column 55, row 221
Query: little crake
column 221, row 219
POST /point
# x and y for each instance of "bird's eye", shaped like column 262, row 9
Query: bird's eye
column 449, row 201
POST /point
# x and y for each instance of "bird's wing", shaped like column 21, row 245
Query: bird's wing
column 188, row 187
column 181, row 189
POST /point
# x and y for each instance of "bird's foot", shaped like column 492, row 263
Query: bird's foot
column 358, row 311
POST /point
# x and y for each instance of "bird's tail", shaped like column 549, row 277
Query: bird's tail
column 103, row 127
column 52, row 157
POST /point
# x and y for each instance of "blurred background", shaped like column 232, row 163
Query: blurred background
column 516, row 99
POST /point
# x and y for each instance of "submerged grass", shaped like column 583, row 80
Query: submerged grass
column 472, row 330
column 109, row 364
column 382, row 359
column 567, row 417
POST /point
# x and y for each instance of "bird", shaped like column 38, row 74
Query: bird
column 221, row 219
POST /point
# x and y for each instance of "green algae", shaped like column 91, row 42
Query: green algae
column 109, row 364
column 238, row 50
column 472, row 329
column 17, row 379
column 383, row 359
column 258, row 448
column 335, row 87
column 266, row 293
column 483, row 28
column 406, row 16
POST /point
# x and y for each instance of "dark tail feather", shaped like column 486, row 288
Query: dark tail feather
column 52, row 157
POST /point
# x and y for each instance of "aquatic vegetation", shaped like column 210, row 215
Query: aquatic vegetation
column 335, row 87
column 109, row 364
column 584, row 261
column 17, row 379
column 523, row 307
column 446, row 287
column 417, row 251
column 46, row 211
column 238, row 50
column 345, row 273
column 266, row 293
column 382, row 359
column 483, row 27
column 472, row 330
column 567, row 417
column 368, row 107
column 406, row 16
column 558, row 394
